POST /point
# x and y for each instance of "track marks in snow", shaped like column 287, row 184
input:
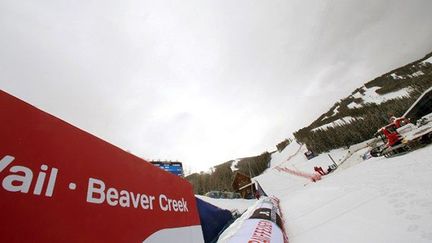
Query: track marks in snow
column 412, row 216
column 412, row 228
column 410, row 207
column 427, row 235
column 378, row 200
column 400, row 211
column 336, row 215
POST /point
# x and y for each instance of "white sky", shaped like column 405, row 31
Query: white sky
column 201, row 81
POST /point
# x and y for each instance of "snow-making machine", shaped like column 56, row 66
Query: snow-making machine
column 411, row 131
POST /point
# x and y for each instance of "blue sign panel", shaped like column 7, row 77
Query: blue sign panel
column 175, row 168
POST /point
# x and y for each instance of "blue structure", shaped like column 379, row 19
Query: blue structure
column 175, row 168
column 213, row 219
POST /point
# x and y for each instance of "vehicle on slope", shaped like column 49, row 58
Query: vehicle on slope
column 411, row 131
column 310, row 154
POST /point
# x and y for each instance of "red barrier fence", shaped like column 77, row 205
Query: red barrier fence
column 312, row 177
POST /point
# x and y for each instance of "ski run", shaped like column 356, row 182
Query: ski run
column 374, row 200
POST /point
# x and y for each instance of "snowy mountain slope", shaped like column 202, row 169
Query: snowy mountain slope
column 365, row 96
column 358, row 116
column 293, row 157
column 377, row 200
column 339, row 122
column 371, row 92
column 280, row 157
column 371, row 95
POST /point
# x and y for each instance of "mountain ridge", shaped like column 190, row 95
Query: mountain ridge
column 350, row 120
column 356, row 117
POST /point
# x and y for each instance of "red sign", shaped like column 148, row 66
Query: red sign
column 61, row 184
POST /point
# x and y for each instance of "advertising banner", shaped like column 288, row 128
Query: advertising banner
column 261, row 223
column 61, row 184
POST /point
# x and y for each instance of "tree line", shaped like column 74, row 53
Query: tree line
column 370, row 117
column 221, row 176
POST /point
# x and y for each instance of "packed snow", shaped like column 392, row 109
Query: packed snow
column 377, row 200
column 374, row 200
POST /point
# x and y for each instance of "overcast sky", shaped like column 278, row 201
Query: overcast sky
column 201, row 81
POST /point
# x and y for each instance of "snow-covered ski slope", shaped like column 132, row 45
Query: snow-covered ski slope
column 377, row 200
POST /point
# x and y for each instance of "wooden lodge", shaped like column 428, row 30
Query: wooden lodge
column 243, row 185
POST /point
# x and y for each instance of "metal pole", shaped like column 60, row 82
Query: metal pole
column 250, row 176
column 332, row 160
